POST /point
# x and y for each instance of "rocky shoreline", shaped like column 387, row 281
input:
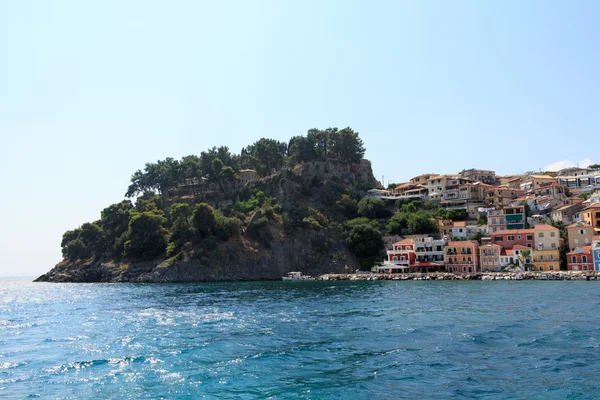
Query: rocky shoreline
column 479, row 276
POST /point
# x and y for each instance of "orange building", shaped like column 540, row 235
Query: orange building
column 462, row 256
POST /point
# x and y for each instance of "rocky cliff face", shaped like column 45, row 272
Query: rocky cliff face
column 246, row 257
column 313, row 253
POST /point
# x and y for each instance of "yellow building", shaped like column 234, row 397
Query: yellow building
column 591, row 216
column 489, row 257
column 546, row 254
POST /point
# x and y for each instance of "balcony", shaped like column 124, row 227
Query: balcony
column 514, row 217
column 400, row 262
column 398, row 252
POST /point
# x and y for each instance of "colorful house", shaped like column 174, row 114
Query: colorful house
column 507, row 257
column 581, row 259
column 515, row 217
column 580, row 234
column 546, row 255
column 446, row 228
column 591, row 215
column 429, row 250
column 509, row 238
column 459, row 229
column 523, row 256
column 399, row 258
column 462, row 256
column 489, row 257
column 596, row 252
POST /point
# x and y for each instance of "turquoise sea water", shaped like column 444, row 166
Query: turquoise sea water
column 320, row 340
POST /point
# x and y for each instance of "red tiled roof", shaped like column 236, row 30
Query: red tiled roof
column 404, row 242
column 586, row 250
column 460, row 223
column 544, row 227
column 462, row 243
column 513, row 232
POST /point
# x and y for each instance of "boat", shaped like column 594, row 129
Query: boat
column 296, row 276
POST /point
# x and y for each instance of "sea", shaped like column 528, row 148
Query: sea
column 301, row 340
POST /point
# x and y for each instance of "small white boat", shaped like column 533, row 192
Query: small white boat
column 296, row 276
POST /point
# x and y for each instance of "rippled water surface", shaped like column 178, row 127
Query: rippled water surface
column 301, row 340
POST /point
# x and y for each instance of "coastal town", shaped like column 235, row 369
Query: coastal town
column 530, row 222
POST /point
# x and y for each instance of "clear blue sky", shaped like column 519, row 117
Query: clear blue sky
column 90, row 91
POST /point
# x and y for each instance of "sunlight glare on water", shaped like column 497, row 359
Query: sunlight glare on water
column 300, row 339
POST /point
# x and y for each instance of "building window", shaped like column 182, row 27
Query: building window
column 541, row 234
column 529, row 237
column 511, row 238
column 552, row 234
column 519, row 237
column 573, row 259
column 553, row 245
column 584, row 259
column 552, row 268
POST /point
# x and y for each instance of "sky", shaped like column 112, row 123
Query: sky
column 91, row 91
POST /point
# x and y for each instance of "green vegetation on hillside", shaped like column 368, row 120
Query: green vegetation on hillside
column 153, row 224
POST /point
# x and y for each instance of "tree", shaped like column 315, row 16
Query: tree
column 397, row 224
column 366, row 243
column 361, row 221
column 301, row 149
column 228, row 175
column 594, row 167
column 266, row 155
column 525, row 260
column 584, row 196
column 477, row 236
column 370, row 207
column 222, row 174
column 420, row 223
column 156, row 178
column 527, row 213
column 482, row 219
column 147, row 235
column 114, row 221
column 348, row 206
column 223, row 154
column 181, row 229
column 203, row 219
column 347, row 145
column 92, row 237
column 68, row 237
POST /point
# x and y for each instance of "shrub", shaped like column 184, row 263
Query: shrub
column 226, row 227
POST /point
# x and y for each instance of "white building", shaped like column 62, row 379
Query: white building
column 428, row 249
